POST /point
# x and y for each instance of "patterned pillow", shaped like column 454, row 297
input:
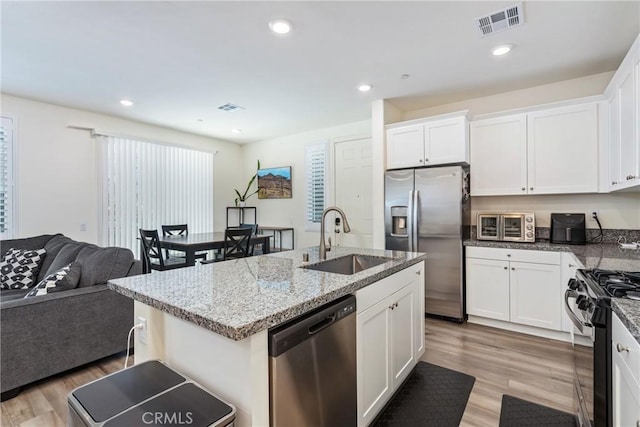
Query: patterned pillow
column 64, row 279
column 19, row 267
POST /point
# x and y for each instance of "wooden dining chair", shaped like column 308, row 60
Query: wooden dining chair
column 152, row 258
column 179, row 230
column 236, row 245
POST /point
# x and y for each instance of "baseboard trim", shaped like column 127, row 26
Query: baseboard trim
column 523, row 329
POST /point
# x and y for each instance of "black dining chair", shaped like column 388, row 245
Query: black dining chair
column 254, row 231
column 179, row 230
column 152, row 258
column 236, row 245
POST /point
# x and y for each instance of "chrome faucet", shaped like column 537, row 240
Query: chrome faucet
column 345, row 226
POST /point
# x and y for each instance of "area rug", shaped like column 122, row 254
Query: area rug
column 431, row 396
column 519, row 413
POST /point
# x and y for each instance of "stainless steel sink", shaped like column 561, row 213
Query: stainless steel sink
column 348, row 264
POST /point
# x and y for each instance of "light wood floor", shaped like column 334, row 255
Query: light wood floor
column 503, row 362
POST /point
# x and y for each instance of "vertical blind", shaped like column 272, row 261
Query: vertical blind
column 316, row 161
column 7, row 189
column 146, row 185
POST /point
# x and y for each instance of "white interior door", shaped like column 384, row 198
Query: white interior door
column 353, row 188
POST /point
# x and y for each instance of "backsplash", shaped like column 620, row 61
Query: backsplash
column 610, row 235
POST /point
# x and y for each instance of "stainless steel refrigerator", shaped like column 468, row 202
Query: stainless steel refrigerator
column 428, row 210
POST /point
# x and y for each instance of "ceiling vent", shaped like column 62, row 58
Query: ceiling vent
column 500, row 20
column 230, row 107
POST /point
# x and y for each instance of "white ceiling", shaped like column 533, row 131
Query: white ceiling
column 179, row 61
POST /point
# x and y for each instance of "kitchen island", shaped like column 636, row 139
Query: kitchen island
column 211, row 322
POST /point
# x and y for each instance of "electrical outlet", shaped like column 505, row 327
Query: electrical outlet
column 595, row 214
column 141, row 333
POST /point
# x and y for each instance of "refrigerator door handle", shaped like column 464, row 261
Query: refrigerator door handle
column 410, row 220
column 416, row 204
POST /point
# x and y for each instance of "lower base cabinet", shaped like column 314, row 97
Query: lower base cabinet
column 625, row 365
column 518, row 286
column 390, row 337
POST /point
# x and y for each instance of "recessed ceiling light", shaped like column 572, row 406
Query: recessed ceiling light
column 236, row 130
column 126, row 103
column 501, row 50
column 280, row 26
column 365, row 87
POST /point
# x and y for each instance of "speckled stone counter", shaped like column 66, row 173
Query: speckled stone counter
column 606, row 256
column 629, row 313
column 238, row 298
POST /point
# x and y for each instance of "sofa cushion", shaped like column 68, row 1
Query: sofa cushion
column 11, row 294
column 102, row 264
column 64, row 279
column 19, row 268
column 53, row 247
column 66, row 254
column 36, row 242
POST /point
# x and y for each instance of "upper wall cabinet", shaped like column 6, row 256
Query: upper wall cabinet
column 550, row 151
column 623, row 95
column 429, row 142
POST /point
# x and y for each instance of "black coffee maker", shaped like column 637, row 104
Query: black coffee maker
column 568, row 228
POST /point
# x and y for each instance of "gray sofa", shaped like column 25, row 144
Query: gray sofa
column 44, row 335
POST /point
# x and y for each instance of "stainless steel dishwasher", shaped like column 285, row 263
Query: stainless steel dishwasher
column 312, row 366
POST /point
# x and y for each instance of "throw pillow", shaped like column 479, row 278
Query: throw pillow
column 19, row 267
column 64, row 279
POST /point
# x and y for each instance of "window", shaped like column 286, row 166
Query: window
column 7, row 180
column 316, row 171
column 146, row 185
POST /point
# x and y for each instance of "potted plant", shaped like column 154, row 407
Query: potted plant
column 242, row 198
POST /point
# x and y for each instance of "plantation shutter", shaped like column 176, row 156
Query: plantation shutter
column 7, row 188
column 147, row 185
column 316, row 162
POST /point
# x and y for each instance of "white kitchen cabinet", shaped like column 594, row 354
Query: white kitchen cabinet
column 533, row 295
column 517, row 286
column 534, row 152
column 488, row 288
column 428, row 142
column 623, row 94
column 388, row 343
column 499, row 141
column 625, row 375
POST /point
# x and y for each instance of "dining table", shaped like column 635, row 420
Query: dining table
column 198, row 242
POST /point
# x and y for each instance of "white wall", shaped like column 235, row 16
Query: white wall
column 618, row 210
column 289, row 151
column 57, row 180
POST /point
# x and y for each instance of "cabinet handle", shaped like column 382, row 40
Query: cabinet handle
column 506, row 268
column 420, row 160
column 531, row 188
column 621, row 348
column 571, row 266
column 426, row 160
column 524, row 188
column 509, row 255
column 391, row 306
column 513, row 268
column 614, row 183
column 418, row 272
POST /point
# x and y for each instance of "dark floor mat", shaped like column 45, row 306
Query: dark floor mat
column 519, row 413
column 431, row 396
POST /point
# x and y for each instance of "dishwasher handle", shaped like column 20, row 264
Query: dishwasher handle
column 324, row 323
column 305, row 327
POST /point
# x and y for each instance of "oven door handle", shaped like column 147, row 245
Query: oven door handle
column 569, row 293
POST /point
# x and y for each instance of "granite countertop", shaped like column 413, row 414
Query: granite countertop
column 608, row 256
column 241, row 297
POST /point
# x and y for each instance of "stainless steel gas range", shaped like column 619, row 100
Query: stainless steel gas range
column 588, row 305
